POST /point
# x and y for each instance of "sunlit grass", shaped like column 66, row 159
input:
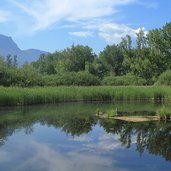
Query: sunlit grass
column 164, row 112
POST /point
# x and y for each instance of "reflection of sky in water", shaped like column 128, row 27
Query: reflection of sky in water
column 49, row 149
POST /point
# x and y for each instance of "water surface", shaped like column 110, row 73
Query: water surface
column 68, row 137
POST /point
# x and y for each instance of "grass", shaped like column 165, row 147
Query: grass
column 111, row 113
column 14, row 96
column 164, row 113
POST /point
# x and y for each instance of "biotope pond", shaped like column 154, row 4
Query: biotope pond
column 69, row 137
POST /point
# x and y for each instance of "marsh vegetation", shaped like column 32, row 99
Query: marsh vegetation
column 40, row 95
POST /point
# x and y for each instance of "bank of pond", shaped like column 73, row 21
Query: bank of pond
column 163, row 113
column 17, row 96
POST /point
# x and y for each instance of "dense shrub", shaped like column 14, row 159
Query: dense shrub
column 71, row 78
column 164, row 78
column 87, row 79
column 123, row 80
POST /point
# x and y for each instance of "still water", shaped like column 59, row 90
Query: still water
column 69, row 137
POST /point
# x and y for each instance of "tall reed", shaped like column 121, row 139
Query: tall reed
column 39, row 95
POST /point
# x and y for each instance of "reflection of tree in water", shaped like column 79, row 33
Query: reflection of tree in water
column 73, row 124
column 152, row 136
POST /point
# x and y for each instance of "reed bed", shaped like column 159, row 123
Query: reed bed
column 13, row 96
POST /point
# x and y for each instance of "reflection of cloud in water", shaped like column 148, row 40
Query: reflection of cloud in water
column 46, row 159
column 106, row 142
column 102, row 142
column 109, row 142
column 5, row 156
column 82, row 138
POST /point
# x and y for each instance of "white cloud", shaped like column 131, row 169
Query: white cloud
column 4, row 16
column 113, row 32
column 46, row 13
column 143, row 29
column 81, row 33
column 90, row 16
column 106, row 142
column 4, row 156
column 45, row 157
column 149, row 4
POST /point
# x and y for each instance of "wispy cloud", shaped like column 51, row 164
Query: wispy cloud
column 81, row 33
column 149, row 4
column 112, row 32
column 88, row 17
column 45, row 157
column 4, row 16
column 45, row 13
column 106, row 142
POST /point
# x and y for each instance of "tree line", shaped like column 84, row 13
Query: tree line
column 145, row 62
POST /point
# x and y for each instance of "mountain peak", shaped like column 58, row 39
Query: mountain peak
column 7, row 43
column 9, row 47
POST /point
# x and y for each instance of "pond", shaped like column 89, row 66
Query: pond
column 69, row 137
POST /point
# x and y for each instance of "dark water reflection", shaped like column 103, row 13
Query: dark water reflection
column 68, row 137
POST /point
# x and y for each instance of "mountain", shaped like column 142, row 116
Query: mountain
column 9, row 47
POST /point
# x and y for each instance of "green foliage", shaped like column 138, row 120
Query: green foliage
column 39, row 95
column 72, row 78
column 164, row 78
column 112, row 58
column 164, row 113
column 86, row 79
column 8, row 71
column 159, row 42
column 72, row 59
column 46, row 63
column 77, row 56
column 79, row 65
column 29, row 76
column 111, row 113
column 123, row 80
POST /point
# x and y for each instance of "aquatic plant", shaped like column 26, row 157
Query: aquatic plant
column 164, row 113
column 111, row 113
column 40, row 95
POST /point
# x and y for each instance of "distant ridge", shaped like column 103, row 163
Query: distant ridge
column 9, row 47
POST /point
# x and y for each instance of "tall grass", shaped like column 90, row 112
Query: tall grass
column 39, row 95
column 164, row 113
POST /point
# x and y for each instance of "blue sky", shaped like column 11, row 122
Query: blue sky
column 56, row 24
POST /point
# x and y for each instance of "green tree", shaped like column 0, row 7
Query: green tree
column 128, row 52
column 112, row 59
column 160, row 45
column 77, row 57
column 141, row 64
column 29, row 76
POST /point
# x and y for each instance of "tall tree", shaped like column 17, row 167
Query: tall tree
column 160, row 44
column 112, row 58
column 128, row 52
column 77, row 57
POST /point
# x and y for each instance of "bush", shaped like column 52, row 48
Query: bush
column 71, row 78
column 123, row 80
column 86, row 79
column 164, row 78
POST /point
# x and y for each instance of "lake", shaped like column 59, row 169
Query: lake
column 69, row 137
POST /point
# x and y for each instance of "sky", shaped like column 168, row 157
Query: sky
column 53, row 25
